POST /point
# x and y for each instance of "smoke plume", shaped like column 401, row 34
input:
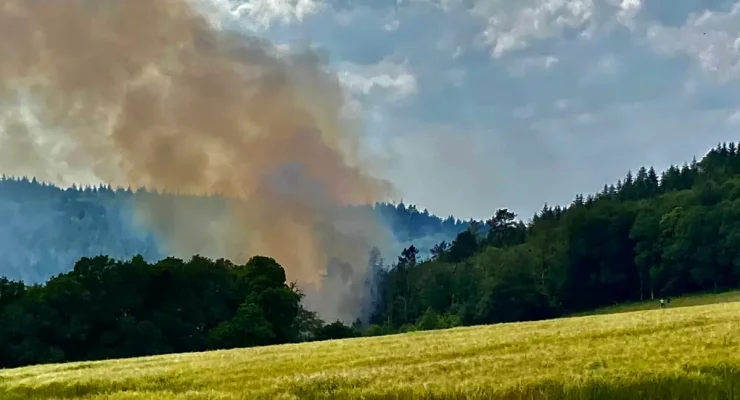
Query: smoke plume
column 147, row 93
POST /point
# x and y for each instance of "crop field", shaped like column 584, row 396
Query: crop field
column 678, row 353
column 684, row 301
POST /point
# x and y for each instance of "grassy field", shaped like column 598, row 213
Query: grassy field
column 685, row 301
column 678, row 353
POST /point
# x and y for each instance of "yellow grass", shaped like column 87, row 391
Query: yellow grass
column 684, row 301
column 679, row 353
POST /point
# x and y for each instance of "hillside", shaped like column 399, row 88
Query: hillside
column 684, row 353
column 684, row 301
column 47, row 229
column 650, row 235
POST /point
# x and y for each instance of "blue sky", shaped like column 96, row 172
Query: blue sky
column 490, row 103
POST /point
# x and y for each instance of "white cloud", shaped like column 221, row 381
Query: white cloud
column 712, row 39
column 393, row 79
column 511, row 29
column 515, row 25
column 258, row 14
column 628, row 10
column 445, row 5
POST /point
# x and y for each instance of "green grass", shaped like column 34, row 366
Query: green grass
column 678, row 353
column 684, row 301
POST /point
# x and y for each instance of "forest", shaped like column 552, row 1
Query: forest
column 647, row 235
column 46, row 229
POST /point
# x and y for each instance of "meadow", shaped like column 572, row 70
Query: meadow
column 675, row 353
column 698, row 299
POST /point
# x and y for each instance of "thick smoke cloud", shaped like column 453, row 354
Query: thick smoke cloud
column 146, row 93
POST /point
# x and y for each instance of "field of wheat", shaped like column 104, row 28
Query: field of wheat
column 681, row 353
column 683, row 301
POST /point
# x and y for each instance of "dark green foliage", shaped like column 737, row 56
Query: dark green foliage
column 335, row 330
column 249, row 327
column 641, row 238
column 110, row 309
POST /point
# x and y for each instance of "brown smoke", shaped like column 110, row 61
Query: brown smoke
column 146, row 93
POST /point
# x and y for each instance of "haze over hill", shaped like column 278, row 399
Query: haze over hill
column 650, row 235
column 174, row 96
column 46, row 229
column 151, row 94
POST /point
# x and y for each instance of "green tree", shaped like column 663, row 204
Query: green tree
column 248, row 328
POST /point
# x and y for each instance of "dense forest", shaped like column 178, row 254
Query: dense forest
column 649, row 234
column 645, row 236
column 46, row 229
column 105, row 309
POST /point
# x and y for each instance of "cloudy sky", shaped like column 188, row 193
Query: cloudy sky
column 494, row 103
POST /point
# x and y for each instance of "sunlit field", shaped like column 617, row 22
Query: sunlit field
column 684, row 301
column 676, row 353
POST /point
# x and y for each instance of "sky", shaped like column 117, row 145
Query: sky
column 482, row 104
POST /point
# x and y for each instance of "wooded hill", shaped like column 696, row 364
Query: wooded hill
column 646, row 235
column 46, row 229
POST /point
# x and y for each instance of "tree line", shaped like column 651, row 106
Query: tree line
column 645, row 236
column 46, row 229
column 106, row 308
